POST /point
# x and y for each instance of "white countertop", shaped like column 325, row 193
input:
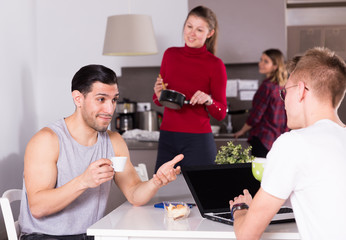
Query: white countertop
column 147, row 222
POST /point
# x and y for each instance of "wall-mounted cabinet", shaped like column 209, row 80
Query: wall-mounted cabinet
column 247, row 27
column 302, row 38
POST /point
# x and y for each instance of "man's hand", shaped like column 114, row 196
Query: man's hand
column 246, row 198
column 167, row 173
column 97, row 173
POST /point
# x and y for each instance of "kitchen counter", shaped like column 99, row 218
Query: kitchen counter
column 133, row 144
column 220, row 139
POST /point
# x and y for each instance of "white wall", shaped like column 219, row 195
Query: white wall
column 42, row 44
column 71, row 34
column 17, row 92
column 247, row 28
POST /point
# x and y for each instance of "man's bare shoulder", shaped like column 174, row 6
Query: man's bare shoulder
column 45, row 139
column 114, row 135
column 45, row 134
column 118, row 142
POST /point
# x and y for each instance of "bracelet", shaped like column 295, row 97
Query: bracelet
column 238, row 206
column 211, row 102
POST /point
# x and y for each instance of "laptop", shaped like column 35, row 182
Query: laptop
column 213, row 186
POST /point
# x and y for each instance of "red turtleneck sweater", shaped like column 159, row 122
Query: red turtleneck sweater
column 187, row 70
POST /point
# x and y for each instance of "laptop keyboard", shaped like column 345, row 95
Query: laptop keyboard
column 285, row 210
column 224, row 215
column 281, row 210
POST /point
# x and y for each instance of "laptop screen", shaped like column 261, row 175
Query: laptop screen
column 213, row 186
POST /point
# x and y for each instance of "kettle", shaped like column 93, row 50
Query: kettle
column 149, row 120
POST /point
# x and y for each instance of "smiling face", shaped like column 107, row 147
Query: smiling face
column 196, row 31
column 266, row 66
column 97, row 106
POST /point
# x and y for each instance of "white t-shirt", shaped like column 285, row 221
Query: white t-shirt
column 309, row 166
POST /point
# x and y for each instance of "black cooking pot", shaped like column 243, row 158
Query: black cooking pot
column 172, row 99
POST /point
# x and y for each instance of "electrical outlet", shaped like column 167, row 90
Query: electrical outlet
column 143, row 106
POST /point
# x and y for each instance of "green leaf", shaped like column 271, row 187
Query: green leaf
column 231, row 153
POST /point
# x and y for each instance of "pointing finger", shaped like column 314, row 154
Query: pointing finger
column 176, row 159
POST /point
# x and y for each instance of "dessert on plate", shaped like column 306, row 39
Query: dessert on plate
column 177, row 210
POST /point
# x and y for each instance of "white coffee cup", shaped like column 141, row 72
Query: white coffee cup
column 118, row 163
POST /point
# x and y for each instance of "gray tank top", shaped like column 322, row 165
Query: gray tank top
column 88, row 207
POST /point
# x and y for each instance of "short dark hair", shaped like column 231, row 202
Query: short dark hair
column 87, row 75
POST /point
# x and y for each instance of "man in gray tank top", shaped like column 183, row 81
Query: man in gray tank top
column 67, row 171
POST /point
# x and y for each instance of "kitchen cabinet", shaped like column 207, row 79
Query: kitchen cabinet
column 247, row 27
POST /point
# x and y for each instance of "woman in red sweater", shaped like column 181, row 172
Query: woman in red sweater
column 196, row 72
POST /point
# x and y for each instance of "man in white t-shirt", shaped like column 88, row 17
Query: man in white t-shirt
column 307, row 164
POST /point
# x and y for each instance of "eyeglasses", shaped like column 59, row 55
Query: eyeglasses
column 284, row 91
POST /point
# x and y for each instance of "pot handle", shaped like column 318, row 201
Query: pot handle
column 235, row 112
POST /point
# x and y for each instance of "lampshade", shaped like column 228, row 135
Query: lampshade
column 128, row 35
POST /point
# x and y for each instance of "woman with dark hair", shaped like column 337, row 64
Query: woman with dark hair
column 196, row 72
column 267, row 119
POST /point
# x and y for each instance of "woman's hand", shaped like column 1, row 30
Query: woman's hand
column 238, row 134
column 242, row 131
column 158, row 87
column 201, row 98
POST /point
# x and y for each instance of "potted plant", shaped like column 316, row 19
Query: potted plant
column 231, row 153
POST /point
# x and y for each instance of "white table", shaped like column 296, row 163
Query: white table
column 147, row 222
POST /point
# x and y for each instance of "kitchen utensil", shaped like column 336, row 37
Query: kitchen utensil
column 163, row 84
column 235, row 112
column 149, row 120
column 172, row 99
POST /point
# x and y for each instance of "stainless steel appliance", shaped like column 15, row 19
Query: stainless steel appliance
column 149, row 120
column 126, row 113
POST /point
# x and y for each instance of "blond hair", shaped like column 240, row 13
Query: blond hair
column 324, row 72
column 279, row 75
